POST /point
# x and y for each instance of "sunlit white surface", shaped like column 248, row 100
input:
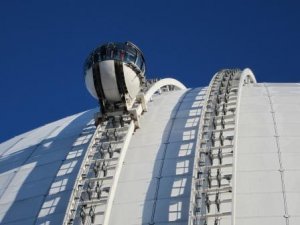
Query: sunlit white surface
column 155, row 181
column 89, row 82
column 268, row 156
column 109, row 81
column 38, row 170
column 132, row 81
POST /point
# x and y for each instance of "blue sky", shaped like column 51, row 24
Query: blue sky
column 44, row 43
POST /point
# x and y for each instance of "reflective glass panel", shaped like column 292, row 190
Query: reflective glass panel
column 139, row 61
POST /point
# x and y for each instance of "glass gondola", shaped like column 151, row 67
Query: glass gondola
column 125, row 52
column 115, row 74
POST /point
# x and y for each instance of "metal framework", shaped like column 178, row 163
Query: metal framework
column 95, row 186
column 212, row 196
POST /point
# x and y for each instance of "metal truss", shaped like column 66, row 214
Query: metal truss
column 93, row 194
column 212, row 198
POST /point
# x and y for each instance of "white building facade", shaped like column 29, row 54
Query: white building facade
column 227, row 153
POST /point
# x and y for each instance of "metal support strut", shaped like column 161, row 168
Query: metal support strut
column 212, row 197
column 93, row 194
column 92, row 190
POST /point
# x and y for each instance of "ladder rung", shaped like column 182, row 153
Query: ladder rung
column 218, row 166
column 104, row 160
column 212, row 190
column 216, row 148
column 93, row 202
column 219, row 130
column 99, row 178
column 214, row 215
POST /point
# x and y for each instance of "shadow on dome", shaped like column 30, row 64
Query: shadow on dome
column 39, row 168
column 173, row 169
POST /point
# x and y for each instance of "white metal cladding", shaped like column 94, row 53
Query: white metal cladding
column 268, row 156
column 94, row 191
column 213, row 183
column 109, row 80
column 38, row 170
column 155, row 182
